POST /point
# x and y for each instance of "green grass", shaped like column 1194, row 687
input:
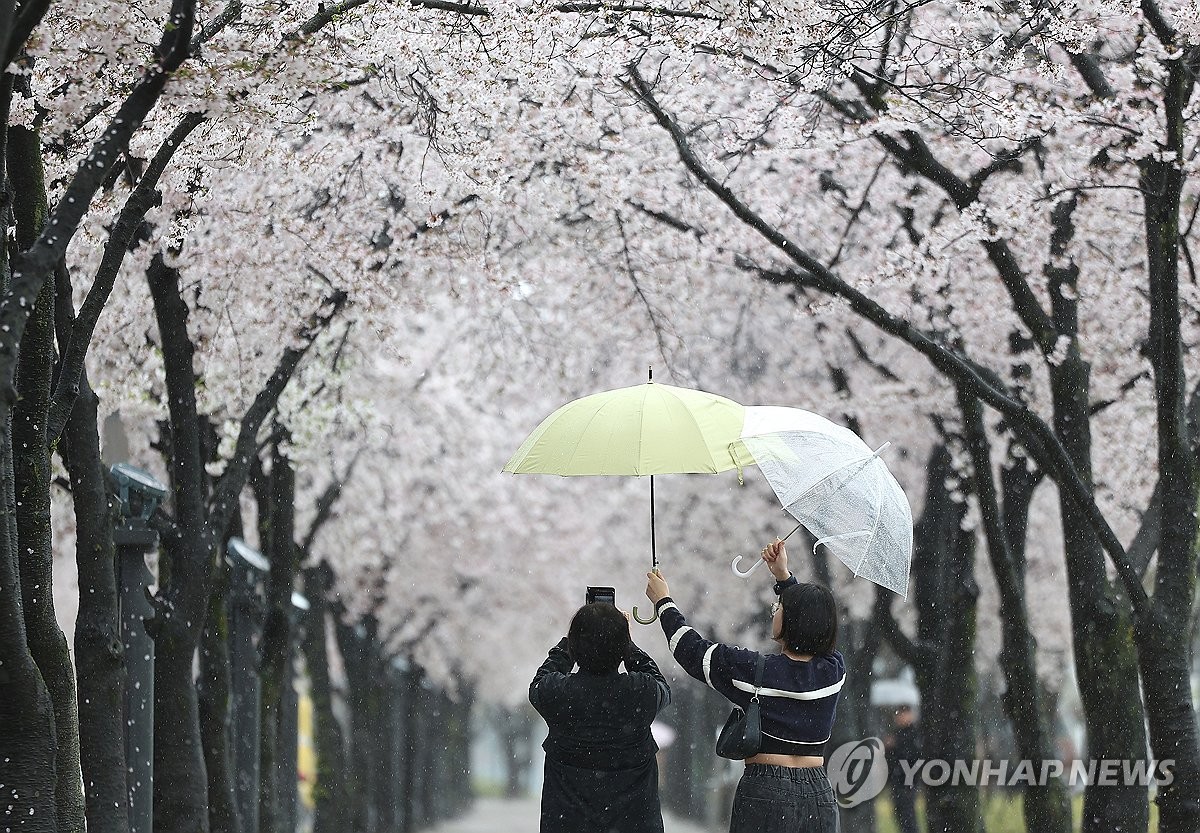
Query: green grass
column 1001, row 814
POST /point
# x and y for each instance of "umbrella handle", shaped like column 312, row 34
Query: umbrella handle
column 747, row 573
column 642, row 621
column 737, row 560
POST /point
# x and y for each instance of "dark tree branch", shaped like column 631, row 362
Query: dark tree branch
column 1089, row 70
column 326, row 15
column 27, row 19
column 667, row 219
column 917, row 156
column 1163, row 29
column 325, row 505
column 973, row 378
column 144, row 197
column 860, row 351
column 229, row 486
column 31, row 268
column 911, row 651
column 651, row 313
column 231, row 12
column 474, row 10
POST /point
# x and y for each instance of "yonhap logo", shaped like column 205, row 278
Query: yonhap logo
column 857, row 771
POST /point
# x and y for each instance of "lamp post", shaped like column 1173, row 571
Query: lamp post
column 247, row 568
column 138, row 493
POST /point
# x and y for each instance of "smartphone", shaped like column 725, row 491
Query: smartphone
column 607, row 595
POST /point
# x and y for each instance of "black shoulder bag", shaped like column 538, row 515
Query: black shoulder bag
column 741, row 736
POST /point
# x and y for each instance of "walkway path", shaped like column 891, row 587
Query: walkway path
column 494, row 815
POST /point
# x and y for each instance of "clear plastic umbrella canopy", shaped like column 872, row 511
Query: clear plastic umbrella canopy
column 837, row 487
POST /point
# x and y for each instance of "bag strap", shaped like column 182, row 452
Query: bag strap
column 758, row 674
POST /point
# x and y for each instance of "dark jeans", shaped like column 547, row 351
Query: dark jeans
column 778, row 799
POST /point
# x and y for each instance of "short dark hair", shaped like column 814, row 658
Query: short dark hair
column 598, row 638
column 810, row 619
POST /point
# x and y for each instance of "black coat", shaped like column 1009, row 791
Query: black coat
column 601, row 773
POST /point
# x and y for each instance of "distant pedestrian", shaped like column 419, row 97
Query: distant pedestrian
column 903, row 746
column 784, row 788
column 601, row 773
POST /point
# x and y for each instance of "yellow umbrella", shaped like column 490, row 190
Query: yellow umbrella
column 641, row 430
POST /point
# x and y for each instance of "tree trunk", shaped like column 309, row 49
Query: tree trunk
column 415, row 773
column 1162, row 640
column 942, row 655
column 1101, row 627
column 277, row 637
column 385, row 798
column 214, row 692
column 28, row 745
column 1046, row 806
column 180, row 785
column 513, row 726
column 31, row 470
column 329, row 793
column 99, row 654
column 27, row 738
column 404, row 756
column 180, row 776
column 357, row 647
column 858, row 641
column 949, row 808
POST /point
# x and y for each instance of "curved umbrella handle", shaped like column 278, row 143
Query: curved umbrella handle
column 642, row 621
column 747, row 573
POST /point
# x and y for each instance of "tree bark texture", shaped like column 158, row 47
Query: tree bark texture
column 329, row 793
column 214, row 689
column 99, row 654
column 180, row 776
column 952, row 733
column 358, row 652
column 858, row 640
column 942, row 654
column 276, row 666
column 1162, row 641
column 1046, row 806
column 31, row 472
column 1101, row 626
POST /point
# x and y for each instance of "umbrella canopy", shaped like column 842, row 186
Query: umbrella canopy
column 645, row 429
column 641, row 430
column 833, row 484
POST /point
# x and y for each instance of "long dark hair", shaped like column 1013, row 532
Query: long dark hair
column 810, row 619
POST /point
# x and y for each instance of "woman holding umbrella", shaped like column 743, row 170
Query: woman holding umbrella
column 784, row 788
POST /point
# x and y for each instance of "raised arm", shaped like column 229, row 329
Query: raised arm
column 712, row 663
column 549, row 677
column 639, row 662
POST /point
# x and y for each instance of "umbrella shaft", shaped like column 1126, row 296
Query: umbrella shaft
column 653, row 547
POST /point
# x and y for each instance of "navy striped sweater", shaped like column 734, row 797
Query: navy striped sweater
column 798, row 699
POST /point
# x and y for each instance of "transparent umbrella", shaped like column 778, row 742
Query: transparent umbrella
column 835, row 486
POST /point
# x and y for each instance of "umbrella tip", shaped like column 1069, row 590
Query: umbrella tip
column 650, row 373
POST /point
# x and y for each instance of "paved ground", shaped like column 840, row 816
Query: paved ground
column 493, row 815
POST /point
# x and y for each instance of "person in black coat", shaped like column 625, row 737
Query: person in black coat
column 601, row 773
